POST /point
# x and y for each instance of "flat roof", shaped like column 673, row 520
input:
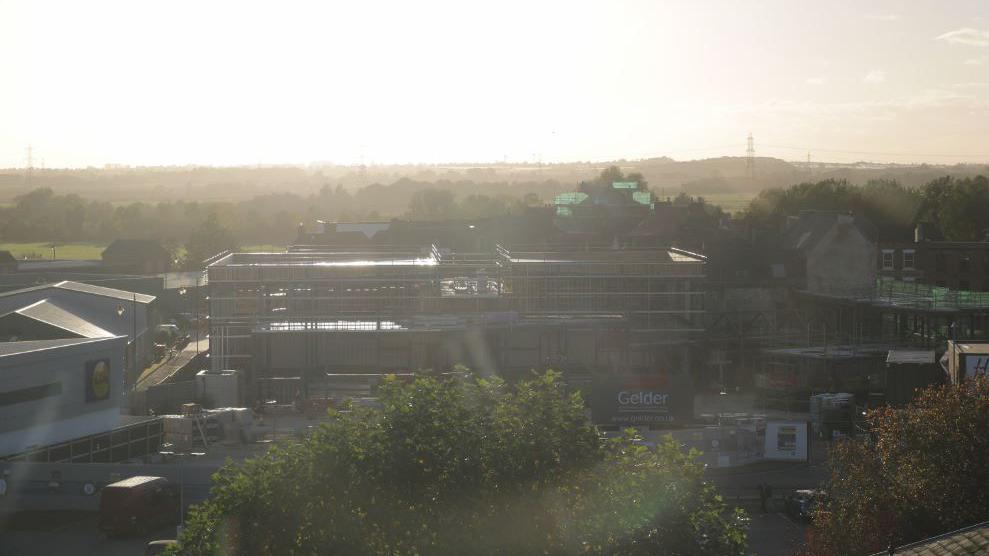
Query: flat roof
column 326, row 259
column 331, row 326
column 968, row 347
column 429, row 256
column 435, row 322
column 830, row 352
column 910, row 357
column 604, row 256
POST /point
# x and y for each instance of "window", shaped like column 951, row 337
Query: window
column 887, row 259
column 908, row 259
column 964, row 264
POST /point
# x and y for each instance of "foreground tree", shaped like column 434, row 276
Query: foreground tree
column 466, row 466
column 924, row 473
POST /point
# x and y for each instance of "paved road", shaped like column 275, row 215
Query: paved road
column 69, row 533
column 168, row 368
column 774, row 534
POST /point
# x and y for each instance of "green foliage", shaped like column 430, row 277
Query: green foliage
column 957, row 207
column 207, row 240
column 611, row 174
column 953, row 207
column 466, row 466
column 42, row 216
column 886, row 204
column 925, row 473
column 439, row 204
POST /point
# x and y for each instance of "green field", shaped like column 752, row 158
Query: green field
column 43, row 250
column 93, row 251
column 730, row 202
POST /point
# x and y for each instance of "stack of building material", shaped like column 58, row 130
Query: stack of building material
column 197, row 428
column 181, row 431
column 229, row 425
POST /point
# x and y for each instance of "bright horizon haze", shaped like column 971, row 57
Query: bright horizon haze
column 238, row 83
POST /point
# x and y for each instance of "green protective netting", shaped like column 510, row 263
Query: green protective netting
column 643, row 197
column 625, row 184
column 933, row 296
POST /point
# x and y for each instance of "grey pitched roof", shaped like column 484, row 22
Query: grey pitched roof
column 15, row 348
column 812, row 225
column 105, row 292
column 7, row 258
column 90, row 289
column 970, row 541
column 49, row 313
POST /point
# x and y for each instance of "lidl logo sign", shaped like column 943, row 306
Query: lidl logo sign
column 97, row 380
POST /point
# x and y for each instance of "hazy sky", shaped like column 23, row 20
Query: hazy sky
column 211, row 82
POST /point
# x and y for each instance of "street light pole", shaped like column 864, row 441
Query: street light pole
column 134, row 337
column 181, row 456
column 199, row 303
column 182, row 493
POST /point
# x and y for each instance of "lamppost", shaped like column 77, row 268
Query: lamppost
column 181, row 457
column 133, row 319
column 185, row 305
column 274, row 418
column 133, row 339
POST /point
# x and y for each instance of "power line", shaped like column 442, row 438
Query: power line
column 836, row 151
column 877, row 153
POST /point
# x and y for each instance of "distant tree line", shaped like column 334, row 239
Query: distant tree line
column 42, row 215
column 953, row 208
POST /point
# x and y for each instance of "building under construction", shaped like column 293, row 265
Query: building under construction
column 612, row 320
column 839, row 341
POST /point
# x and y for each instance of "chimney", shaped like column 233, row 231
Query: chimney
column 920, row 233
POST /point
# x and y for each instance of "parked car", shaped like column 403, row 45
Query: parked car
column 800, row 504
column 138, row 504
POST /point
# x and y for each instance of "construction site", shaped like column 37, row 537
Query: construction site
column 804, row 343
column 606, row 318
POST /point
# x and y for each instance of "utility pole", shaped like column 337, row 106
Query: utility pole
column 134, row 337
column 750, row 157
column 29, row 176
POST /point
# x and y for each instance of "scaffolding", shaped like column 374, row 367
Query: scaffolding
column 655, row 296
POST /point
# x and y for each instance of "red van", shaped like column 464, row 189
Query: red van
column 138, row 504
